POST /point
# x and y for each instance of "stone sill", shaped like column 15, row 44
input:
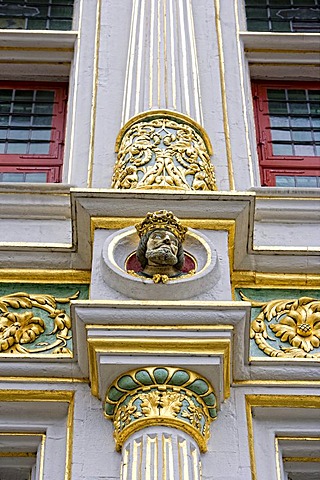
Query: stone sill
column 280, row 41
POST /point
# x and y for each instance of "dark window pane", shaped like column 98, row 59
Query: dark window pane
column 284, row 181
column 39, row 148
column 41, row 135
column 304, row 150
column 283, row 135
column 24, row 95
column 294, row 120
column 302, row 136
column 306, row 181
column 300, row 122
column 276, row 94
column 37, row 14
column 17, row 120
column 44, row 96
column 17, row 148
column 277, row 107
column 18, row 134
column 31, row 109
column 279, row 121
column 40, row 177
column 45, row 120
column 12, row 177
column 279, row 149
column 37, row 24
column 5, row 95
column 61, row 24
column 5, row 107
column 283, row 15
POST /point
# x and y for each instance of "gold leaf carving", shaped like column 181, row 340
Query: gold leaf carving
column 18, row 329
column 163, row 153
column 159, row 403
column 296, row 322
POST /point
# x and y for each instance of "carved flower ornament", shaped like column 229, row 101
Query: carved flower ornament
column 18, row 329
column 301, row 326
column 294, row 321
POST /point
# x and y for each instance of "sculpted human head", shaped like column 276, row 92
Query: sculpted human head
column 160, row 248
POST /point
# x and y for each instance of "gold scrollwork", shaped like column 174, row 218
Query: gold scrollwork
column 296, row 322
column 163, row 153
column 167, row 396
column 18, row 329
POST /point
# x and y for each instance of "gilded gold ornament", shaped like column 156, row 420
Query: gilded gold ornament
column 164, row 220
column 165, row 152
column 18, row 329
column 161, row 396
column 296, row 322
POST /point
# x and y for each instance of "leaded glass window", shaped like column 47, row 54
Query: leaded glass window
column 36, row 15
column 32, row 120
column 283, row 15
column 288, row 133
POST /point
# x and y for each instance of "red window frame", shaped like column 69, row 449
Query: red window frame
column 52, row 162
column 272, row 165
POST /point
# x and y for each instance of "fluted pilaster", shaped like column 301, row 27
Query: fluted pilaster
column 162, row 69
column 160, row 453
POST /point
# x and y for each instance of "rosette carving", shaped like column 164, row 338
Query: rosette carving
column 295, row 322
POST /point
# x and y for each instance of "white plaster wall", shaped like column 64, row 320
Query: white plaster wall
column 112, row 62
column 94, row 456
column 36, row 231
column 270, row 234
column 81, row 87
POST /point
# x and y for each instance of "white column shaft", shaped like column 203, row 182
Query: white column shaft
column 162, row 69
column 160, row 453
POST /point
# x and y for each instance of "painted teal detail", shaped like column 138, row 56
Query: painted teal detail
column 267, row 295
column 127, row 383
column 160, row 375
column 57, row 290
column 209, row 399
column 212, row 412
column 199, row 386
column 143, row 377
column 110, row 409
column 179, row 378
column 114, row 394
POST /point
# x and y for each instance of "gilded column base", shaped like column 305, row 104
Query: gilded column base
column 166, row 396
column 162, row 149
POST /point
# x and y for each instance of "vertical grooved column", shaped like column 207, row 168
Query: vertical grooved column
column 162, row 69
column 160, row 453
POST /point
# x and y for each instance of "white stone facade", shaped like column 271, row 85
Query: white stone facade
column 261, row 238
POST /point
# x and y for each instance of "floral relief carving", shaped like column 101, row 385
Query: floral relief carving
column 159, row 403
column 295, row 322
column 163, row 153
column 161, row 395
column 20, row 330
column 194, row 414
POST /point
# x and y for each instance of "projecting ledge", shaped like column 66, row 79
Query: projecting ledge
column 112, row 339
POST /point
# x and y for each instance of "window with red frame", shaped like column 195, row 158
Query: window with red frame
column 32, row 124
column 288, row 133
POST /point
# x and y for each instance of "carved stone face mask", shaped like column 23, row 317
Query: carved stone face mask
column 162, row 248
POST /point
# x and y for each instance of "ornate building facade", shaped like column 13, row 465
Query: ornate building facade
column 159, row 241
